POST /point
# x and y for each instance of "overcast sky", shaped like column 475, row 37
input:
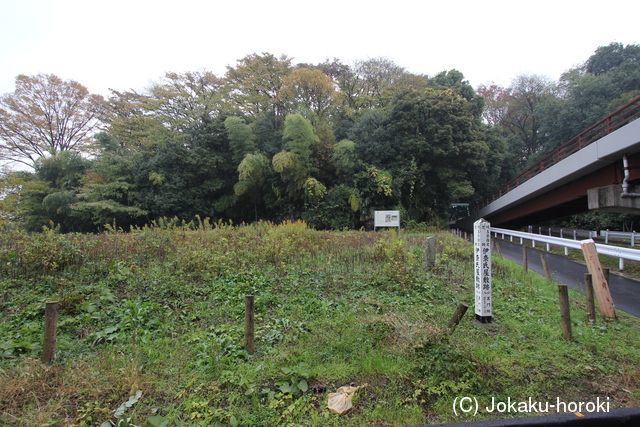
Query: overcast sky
column 128, row 44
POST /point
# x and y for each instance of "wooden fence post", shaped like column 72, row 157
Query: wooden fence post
column 525, row 263
column 600, row 284
column 50, row 326
column 461, row 309
column 248, row 324
column 545, row 266
column 499, row 249
column 565, row 312
column 591, row 306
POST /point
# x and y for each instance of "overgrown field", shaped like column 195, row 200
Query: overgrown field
column 155, row 319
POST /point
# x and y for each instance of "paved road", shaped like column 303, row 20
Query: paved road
column 624, row 291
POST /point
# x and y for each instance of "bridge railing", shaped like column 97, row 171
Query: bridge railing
column 622, row 116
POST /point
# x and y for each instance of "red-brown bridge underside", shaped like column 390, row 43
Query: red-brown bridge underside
column 564, row 200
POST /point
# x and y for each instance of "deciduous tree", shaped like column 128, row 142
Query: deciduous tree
column 523, row 118
column 306, row 90
column 253, row 84
column 46, row 115
column 183, row 100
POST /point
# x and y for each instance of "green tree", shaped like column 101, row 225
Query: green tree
column 46, row 115
column 108, row 193
column 345, row 159
column 454, row 79
column 253, row 174
column 608, row 79
column 21, row 201
column 373, row 77
column 63, row 172
column 606, row 58
column 373, row 139
column 252, row 86
column 336, row 210
column 132, row 123
column 183, row 100
column 292, row 170
column 440, row 150
column 524, row 115
column 183, row 181
column 241, row 138
column 48, row 194
column 309, row 91
column 300, row 138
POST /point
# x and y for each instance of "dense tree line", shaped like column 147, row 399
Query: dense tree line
column 274, row 140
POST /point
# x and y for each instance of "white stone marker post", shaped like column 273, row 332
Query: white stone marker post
column 482, row 267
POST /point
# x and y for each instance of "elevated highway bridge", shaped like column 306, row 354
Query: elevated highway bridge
column 597, row 169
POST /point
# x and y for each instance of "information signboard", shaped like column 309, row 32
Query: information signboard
column 386, row 219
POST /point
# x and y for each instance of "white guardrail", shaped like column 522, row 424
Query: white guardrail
column 619, row 235
column 614, row 251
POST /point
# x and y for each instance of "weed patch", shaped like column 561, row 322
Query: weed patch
column 150, row 330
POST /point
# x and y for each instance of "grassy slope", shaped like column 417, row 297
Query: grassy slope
column 161, row 310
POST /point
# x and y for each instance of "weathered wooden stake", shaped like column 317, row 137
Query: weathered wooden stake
column 461, row 309
column 565, row 312
column 600, row 284
column 248, row 324
column 591, row 305
column 50, row 326
column 545, row 266
column 499, row 249
column 525, row 263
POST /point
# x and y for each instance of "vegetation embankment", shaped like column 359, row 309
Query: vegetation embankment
column 160, row 311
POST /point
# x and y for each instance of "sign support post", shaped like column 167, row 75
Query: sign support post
column 482, row 269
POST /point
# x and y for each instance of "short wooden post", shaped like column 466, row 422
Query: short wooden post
column 565, row 312
column 461, row 309
column 50, row 326
column 591, row 305
column 545, row 266
column 248, row 324
column 499, row 249
column 525, row 263
column 600, row 284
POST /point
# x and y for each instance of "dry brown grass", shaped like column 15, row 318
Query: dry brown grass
column 35, row 394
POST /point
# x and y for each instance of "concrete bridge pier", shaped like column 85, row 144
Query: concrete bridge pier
column 614, row 198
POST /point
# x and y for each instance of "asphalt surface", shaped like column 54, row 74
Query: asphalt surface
column 624, row 291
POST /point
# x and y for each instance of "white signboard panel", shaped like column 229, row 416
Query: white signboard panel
column 482, row 268
column 387, row 219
